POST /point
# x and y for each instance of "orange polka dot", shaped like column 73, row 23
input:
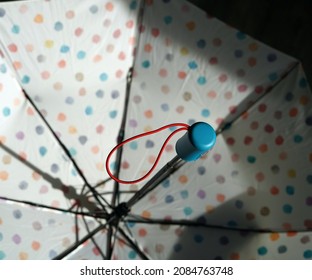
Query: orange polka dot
column 252, row 61
column 182, row 75
column 235, row 256
column 148, row 48
column 36, row 176
column 148, row 114
column 30, row 111
column 183, row 179
column 291, row 233
column 220, row 197
column 23, row 256
column 304, row 100
column 95, row 149
column 72, row 129
column 97, row 58
column 263, row 148
column 109, row 6
column 151, row 159
column 274, row 236
column 209, row 209
column 146, row 214
column 1, row 222
column 61, row 117
column 35, row 245
column 293, row 112
column 61, row 63
column 2, row 139
column 17, row 65
column 191, row 25
column 4, row 175
column 38, row 18
column 253, row 46
column 142, row 232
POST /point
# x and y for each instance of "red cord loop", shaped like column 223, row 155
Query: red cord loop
column 182, row 126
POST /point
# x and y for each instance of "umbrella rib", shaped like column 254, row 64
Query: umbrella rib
column 66, row 151
column 29, row 203
column 132, row 243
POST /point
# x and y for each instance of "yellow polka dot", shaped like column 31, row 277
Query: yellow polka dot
column 292, row 173
column 49, row 44
column 23, row 256
column 184, row 51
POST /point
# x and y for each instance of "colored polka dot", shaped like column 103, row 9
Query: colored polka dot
column 168, row 19
column 287, row 209
column 43, row 151
column 309, row 201
column 103, row 77
column 282, row 249
column 58, row 26
column 192, row 65
column 64, row 49
column 308, row 121
column 109, row 6
column 2, row 254
column 38, row 18
column 188, row 211
column 146, row 64
column 202, row 80
column 49, row 44
column 274, row 236
column 307, row 254
column 25, row 79
column 201, row 43
column 272, row 57
column 169, row 199
column 198, row 238
column 205, row 113
column 78, row 31
column 279, row 140
column 265, row 211
column 89, row 110
column 262, row 251
column 251, row 159
column 81, row 54
column 238, row 53
column 6, row 111
column 240, row 35
column 15, row 29
column 2, row 12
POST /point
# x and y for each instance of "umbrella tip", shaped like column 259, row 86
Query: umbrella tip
column 197, row 141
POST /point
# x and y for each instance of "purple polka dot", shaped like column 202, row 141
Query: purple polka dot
column 309, row 201
column 272, row 57
column 201, row 194
column 133, row 123
column 16, row 239
column 20, row 135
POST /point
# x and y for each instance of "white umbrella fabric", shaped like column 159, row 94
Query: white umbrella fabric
column 249, row 198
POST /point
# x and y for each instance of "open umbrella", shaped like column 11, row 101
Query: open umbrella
column 70, row 86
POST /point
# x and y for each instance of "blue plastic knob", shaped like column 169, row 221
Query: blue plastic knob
column 199, row 139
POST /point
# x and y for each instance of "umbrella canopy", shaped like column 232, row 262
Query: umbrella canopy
column 65, row 94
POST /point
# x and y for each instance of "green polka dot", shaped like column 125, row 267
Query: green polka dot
column 251, row 159
column 262, row 251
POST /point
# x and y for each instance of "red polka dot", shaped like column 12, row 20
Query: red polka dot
column 232, row 109
column 260, row 177
column 230, row 141
column 182, row 75
column 259, row 89
column 242, row 88
column 12, row 48
column 213, row 60
column 248, row 140
column 142, row 232
column 293, row 112
column 279, row 140
column 155, row 32
column 269, row 128
column 262, row 108
column 263, row 148
column 274, row 190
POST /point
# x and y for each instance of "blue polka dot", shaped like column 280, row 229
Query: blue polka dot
column 58, row 26
column 238, row 53
column 2, row 254
column 54, row 168
column 99, row 93
column 64, row 49
column 146, row 64
column 289, row 96
column 42, row 151
column 89, row 110
column 15, row 29
column 165, row 107
column 133, row 145
column 168, row 19
column 188, row 211
column 81, row 54
column 198, row 238
column 201, row 170
column 149, row 144
column 307, row 254
column 113, row 114
column 103, row 77
column 201, row 80
column 298, row 139
column 74, row 173
column 271, row 57
column 3, row 68
column 282, row 249
column 2, row 12
column 132, row 255
column 308, row 121
column 205, row 113
column 73, row 152
column 192, row 65
column 23, row 185
column 232, row 223
column 303, row 83
column 201, row 43
column 262, row 251
column 17, row 214
column 273, row 77
column 6, row 111
column 25, row 79
column 290, row 190
column 177, row 248
column 115, row 94
column 309, row 179
column 93, row 9
column 39, row 129
column 133, row 5
column 52, row 254
column 131, row 224
column 184, row 194
column 69, row 100
column 166, row 183
column 287, row 209
column 169, row 199
column 251, row 159
column 240, row 35
column 239, row 204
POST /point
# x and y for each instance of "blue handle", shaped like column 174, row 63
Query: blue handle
column 199, row 139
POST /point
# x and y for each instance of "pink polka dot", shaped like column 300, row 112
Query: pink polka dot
column 117, row 33
column 107, row 22
column 163, row 73
column 78, row 31
column 223, row 78
column 122, row 56
column 228, row 95
column 100, row 129
column 235, row 157
column 45, row 75
column 242, row 88
column 130, row 23
column 260, row 177
column 212, row 94
column 12, row 48
column 61, row 63
column 70, row 14
column 262, row 108
column 119, row 73
column 96, row 38
column 232, row 109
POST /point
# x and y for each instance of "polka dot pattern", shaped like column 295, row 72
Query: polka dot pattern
column 184, row 71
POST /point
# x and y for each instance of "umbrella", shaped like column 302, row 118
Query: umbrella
column 77, row 75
